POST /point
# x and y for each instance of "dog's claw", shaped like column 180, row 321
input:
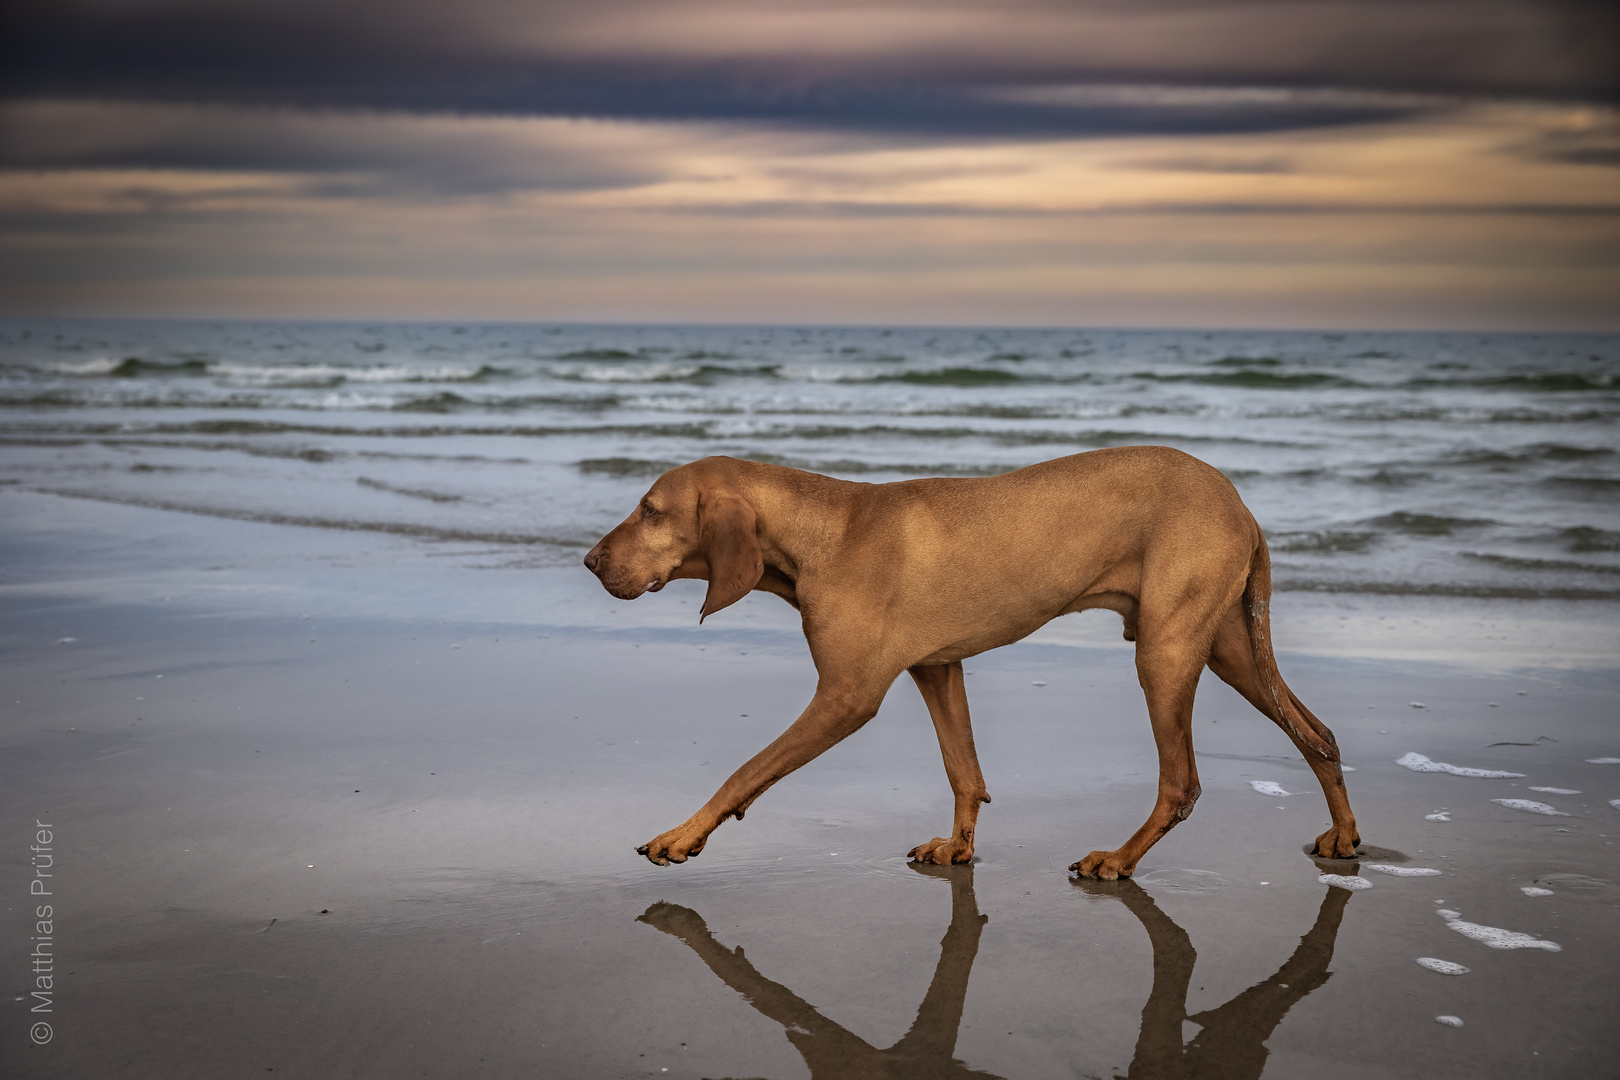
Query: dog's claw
column 942, row 852
column 1336, row 844
column 676, row 846
column 1103, row 865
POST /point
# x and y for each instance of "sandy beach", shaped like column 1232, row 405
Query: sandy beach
column 329, row 804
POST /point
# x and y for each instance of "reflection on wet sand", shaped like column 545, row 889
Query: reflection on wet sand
column 925, row 1051
column 1230, row 1044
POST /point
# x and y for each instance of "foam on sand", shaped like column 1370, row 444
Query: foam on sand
column 1443, row 967
column 1556, row 790
column 1404, row 871
column 1418, row 763
column 1438, row 815
column 1603, row 761
column 1353, row 882
column 1450, row 1021
column 1495, row 937
column 1535, row 890
column 1269, row 787
column 1530, row 806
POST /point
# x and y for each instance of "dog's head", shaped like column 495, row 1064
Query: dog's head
column 690, row 524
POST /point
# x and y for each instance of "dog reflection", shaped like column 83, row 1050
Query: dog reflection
column 1230, row 1044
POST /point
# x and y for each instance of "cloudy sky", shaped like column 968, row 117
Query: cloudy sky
column 1314, row 163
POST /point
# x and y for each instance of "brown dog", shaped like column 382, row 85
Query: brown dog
column 918, row 575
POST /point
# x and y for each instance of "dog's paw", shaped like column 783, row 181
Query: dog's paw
column 1337, row 843
column 1104, row 865
column 941, row 851
column 677, row 845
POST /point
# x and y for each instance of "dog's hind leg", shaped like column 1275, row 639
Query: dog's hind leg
column 1170, row 656
column 945, row 692
column 1233, row 658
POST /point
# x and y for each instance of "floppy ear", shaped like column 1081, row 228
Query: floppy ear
column 726, row 537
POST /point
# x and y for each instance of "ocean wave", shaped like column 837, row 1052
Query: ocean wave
column 253, row 449
column 867, row 467
column 626, row 468
column 397, row 528
column 602, row 354
column 130, row 367
column 662, row 372
column 323, row 375
column 445, row 401
column 1392, row 477
column 696, row 430
column 1604, row 487
column 1461, row 589
column 1536, row 452
column 964, row 377
column 1418, row 524
column 103, row 397
column 414, row 493
column 1246, row 362
column 639, row 468
column 1321, row 542
column 274, row 375
column 1515, row 562
column 1255, row 380
column 1547, row 382
column 1581, row 539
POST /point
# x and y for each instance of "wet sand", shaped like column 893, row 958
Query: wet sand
column 337, row 805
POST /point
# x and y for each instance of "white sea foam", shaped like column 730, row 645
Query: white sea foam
column 623, row 373
column 1404, row 871
column 1353, row 882
column 1269, row 787
column 1450, row 1021
column 1438, row 815
column 1530, row 806
column 1556, row 790
column 1535, row 890
column 1444, row 967
column 293, row 375
column 1603, row 761
column 1615, row 803
column 1495, row 937
column 1418, row 763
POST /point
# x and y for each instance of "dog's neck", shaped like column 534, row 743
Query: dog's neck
column 792, row 541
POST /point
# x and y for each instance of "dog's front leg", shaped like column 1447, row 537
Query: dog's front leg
column 835, row 713
column 945, row 692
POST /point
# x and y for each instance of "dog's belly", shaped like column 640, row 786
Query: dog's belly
column 984, row 638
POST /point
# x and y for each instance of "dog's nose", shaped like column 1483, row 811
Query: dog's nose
column 593, row 557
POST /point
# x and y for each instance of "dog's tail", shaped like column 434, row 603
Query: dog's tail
column 1286, row 709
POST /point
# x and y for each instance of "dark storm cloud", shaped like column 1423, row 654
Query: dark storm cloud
column 892, row 69
column 353, row 154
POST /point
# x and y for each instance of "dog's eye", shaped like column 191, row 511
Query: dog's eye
column 647, row 510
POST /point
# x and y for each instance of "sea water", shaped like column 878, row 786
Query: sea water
column 1475, row 465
